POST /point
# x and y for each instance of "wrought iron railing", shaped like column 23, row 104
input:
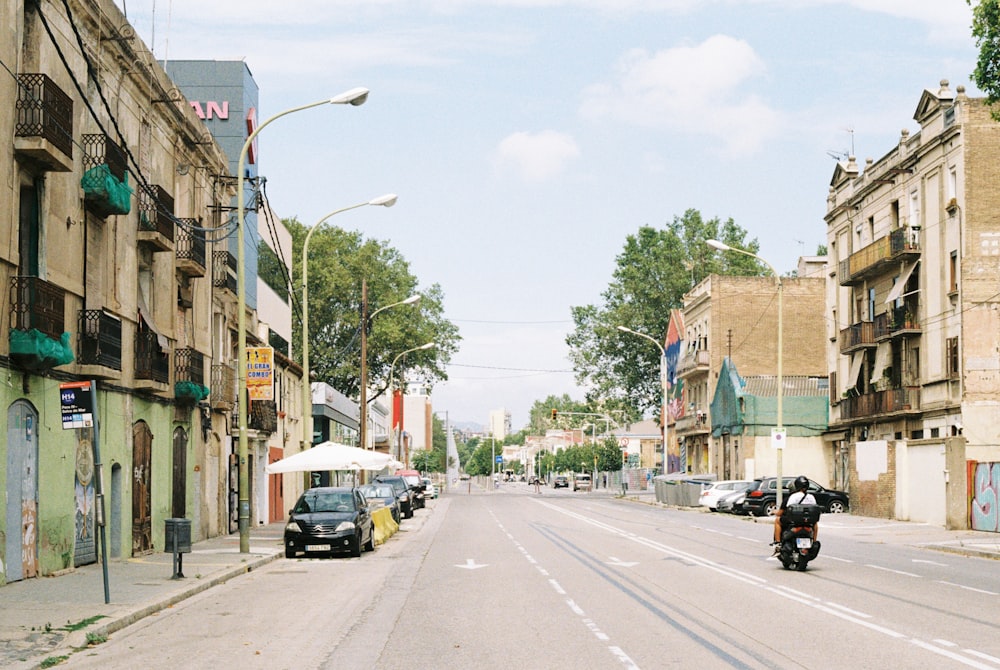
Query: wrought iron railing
column 156, row 211
column 263, row 416
column 878, row 403
column 99, row 149
column 190, row 243
column 44, row 110
column 224, row 270
column 151, row 362
column 100, row 339
column 223, row 386
column 189, row 366
column 36, row 303
column 900, row 242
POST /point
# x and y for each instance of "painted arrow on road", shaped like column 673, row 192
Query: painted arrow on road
column 621, row 564
column 470, row 564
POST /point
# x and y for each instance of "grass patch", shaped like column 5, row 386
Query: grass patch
column 94, row 639
column 79, row 625
column 52, row 661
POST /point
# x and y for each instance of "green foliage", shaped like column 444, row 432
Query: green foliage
column 338, row 262
column 272, row 271
column 654, row 271
column 986, row 30
column 53, row 661
column 481, row 462
column 434, row 459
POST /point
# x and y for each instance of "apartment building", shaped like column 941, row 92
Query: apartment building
column 913, row 300
column 122, row 291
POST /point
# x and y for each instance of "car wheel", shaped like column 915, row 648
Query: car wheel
column 409, row 514
column 769, row 508
column 837, row 507
column 370, row 545
column 356, row 546
column 289, row 552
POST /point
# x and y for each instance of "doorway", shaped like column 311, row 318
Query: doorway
column 22, row 492
column 142, row 522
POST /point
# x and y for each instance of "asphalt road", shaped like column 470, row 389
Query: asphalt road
column 563, row 579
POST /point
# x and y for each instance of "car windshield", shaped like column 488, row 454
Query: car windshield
column 326, row 501
column 379, row 491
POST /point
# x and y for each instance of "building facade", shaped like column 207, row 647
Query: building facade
column 914, row 243
column 736, row 318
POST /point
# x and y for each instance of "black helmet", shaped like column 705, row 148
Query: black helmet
column 801, row 483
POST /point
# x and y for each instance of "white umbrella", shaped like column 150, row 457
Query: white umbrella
column 330, row 456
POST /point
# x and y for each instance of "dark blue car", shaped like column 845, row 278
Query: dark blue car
column 330, row 520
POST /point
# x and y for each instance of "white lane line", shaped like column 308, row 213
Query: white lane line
column 979, row 654
column 560, row 590
column 967, row 588
column 623, row 657
column 573, row 606
column 944, row 643
column 921, row 560
column 834, row 558
column 856, row 613
column 952, row 655
column 898, row 572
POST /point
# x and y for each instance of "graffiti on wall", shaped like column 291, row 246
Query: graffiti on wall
column 985, row 497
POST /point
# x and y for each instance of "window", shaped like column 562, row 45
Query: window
column 952, row 184
column 953, row 272
column 915, row 210
column 951, row 355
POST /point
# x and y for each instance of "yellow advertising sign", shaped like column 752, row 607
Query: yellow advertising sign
column 260, row 373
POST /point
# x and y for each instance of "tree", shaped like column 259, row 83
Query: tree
column 654, row 271
column 338, row 262
column 986, row 30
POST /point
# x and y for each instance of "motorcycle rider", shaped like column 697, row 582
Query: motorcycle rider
column 800, row 496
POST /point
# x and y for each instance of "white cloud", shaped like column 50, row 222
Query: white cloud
column 693, row 89
column 537, row 156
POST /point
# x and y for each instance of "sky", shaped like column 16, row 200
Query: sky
column 527, row 139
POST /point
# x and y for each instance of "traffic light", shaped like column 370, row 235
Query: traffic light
column 554, row 413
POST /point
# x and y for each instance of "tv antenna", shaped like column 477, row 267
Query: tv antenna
column 845, row 154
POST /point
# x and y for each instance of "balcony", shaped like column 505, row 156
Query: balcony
column 857, row 336
column 898, row 322
column 105, row 177
column 43, row 131
column 100, row 344
column 223, row 394
column 152, row 363
column 190, row 250
column 189, row 376
column 894, row 401
column 693, row 423
column 38, row 340
column 224, row 271
column 878, row 257
column 156, row 218
column 263, row 416
column 694, row 362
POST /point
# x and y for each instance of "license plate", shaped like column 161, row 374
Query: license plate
column 317, row 547
column 803, row 542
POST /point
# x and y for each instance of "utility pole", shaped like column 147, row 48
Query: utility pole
column 363, row 420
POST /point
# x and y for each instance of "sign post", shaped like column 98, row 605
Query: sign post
column 79, row 410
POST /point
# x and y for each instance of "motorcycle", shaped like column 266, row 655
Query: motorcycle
column 797, row 546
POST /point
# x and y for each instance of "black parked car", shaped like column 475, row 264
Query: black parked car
column 763, row 500
column 403, row 493
column 328, row 520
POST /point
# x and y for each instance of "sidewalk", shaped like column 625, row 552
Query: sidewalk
column 49, row 616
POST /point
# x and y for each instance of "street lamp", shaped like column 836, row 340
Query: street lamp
column 663, row 386
column 365, row 318
column 387, row 200
column 780, row 428
column 354, row 97
column 392, row 403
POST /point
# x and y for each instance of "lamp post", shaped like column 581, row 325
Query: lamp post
column 365, row 318
column 663, row 387
column 780, row 428
column 396, row 443
column 354, row 97
column 387, row 200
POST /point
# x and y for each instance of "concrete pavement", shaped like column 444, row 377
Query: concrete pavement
column 45, row 618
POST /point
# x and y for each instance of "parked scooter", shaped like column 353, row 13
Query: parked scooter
column 797, row 546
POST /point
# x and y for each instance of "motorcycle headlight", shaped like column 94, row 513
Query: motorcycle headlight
column 345, row 526
column 293, row 527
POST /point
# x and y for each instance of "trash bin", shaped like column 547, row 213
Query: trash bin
column 177, row 540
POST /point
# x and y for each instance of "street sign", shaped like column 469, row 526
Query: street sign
column 499, row 459
column 778, row 438
column 77, row 401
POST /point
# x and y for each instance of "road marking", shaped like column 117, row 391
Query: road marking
column 979, row 654
column 621, row 564
column 945, row 643
column 573, row 606
column 560, row 590
column 920, row 560
column 955, row 657
column 470, row 564
column 967, row 588
column 898, row 572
